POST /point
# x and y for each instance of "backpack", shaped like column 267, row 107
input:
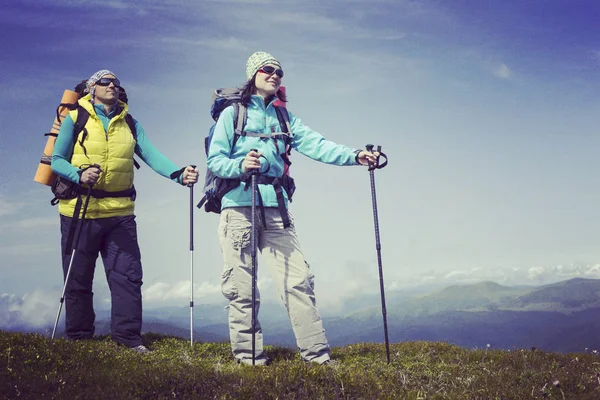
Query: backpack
column 63, row 188
column 215, row 187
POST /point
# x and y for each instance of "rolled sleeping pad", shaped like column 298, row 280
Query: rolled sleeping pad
column 44, row 174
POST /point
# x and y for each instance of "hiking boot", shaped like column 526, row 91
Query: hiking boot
column 141, row 349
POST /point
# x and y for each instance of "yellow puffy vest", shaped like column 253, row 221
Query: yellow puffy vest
column 113, row 151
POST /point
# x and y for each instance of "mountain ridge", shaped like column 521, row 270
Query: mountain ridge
column 556, row 317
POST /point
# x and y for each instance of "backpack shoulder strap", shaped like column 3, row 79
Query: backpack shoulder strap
column 79, row 123
column 240, row 116
column 284, row 121
column 283, row 117
column 79, row 126
column 131, row 123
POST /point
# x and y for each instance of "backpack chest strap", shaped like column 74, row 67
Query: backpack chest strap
column 280, row 135
column 283, row 136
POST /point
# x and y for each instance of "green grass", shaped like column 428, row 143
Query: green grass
column 34, row 367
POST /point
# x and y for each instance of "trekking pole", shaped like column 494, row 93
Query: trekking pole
column 176, row 175
column 378, row 245
column 191, row 186
column 253, row 173
column 73, row 249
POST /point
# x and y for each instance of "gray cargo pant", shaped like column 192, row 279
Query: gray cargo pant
column 280, row 250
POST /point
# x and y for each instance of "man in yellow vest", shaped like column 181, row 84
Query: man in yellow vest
column 109, row 228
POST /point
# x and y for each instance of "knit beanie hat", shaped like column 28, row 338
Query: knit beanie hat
column 90, row 85
column 258, row 60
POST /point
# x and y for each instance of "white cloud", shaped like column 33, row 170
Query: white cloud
column 26, row 249
column 502, row 71
column 230, row 43
column 307, row 20
column 536, row 275
column 117, row 5
column 452, row 275
column 382, row 36
column 36, row 309
column 161, row 291
column 333, row 302
column 8, row 207
column 37, row 222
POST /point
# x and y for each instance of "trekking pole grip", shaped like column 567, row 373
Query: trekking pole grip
column 254, row 171
column 190, row 185
column 369, row 148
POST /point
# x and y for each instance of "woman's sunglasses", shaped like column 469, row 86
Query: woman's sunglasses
column 108, row 81
column 267, row 69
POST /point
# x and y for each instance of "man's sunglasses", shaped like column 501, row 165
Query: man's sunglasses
column 108, row 81
column 267, row 69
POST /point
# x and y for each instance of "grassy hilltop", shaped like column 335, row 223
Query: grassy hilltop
column 34, row 367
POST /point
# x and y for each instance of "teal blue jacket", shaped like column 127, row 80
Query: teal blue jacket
column 226, row 162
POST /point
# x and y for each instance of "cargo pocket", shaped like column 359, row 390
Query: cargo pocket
column 311, row 277
column 292, row 224
column 228, row 287
column 222, row 230
column 240, row 238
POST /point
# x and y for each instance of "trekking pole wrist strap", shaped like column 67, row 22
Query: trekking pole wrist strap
column 79, row 172
column 371, row 148
column 85, row 167
column 356, row 153
column 178, row 175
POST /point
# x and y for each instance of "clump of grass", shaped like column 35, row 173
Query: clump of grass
column 33, row 366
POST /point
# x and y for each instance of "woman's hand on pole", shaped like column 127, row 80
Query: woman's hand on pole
column 190, row 175
column 252, row 161
column 368, row 158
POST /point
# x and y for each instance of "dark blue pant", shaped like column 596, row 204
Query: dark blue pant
column 115, row 238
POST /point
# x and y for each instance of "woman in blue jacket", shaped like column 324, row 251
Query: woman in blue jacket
column 277, row 243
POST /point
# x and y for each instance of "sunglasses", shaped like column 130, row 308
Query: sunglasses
column 267, row 69
column 108, row 81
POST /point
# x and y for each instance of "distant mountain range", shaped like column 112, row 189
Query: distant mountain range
column 562, row 317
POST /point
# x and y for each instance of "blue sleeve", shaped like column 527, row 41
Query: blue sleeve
column 63, row 151
column 313, row 145
column 151, row 156
column 219, row 159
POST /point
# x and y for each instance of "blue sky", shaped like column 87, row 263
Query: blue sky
column 488, row 111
